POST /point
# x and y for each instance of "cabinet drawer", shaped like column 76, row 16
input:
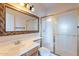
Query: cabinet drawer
column 33, row 52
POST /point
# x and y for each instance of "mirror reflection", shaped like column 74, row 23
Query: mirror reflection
column 17, row 21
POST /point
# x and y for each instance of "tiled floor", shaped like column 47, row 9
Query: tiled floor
column 45, row 52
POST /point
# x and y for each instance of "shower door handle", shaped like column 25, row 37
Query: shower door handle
column 53, row 43
column 77, row 26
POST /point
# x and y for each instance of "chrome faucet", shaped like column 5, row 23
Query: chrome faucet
column 17, row 42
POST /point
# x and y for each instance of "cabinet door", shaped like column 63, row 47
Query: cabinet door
column 32, row 52
column 66, row 34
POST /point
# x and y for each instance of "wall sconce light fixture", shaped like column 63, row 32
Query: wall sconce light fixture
column 28, row 6
column 32, row 8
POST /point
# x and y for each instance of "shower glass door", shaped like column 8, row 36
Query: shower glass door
column 66, row 34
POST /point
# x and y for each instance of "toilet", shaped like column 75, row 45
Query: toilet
column 45, row 52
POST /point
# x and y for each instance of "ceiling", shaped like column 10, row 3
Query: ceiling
column 43, row 9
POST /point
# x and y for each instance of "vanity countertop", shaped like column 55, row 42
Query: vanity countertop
column 28, row 49
column 19, row 49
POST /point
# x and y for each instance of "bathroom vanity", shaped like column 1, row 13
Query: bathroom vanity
column 32, row 52
column 23, row 48
column 15, row 20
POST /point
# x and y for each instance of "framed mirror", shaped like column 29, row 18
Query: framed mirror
column 18, row 21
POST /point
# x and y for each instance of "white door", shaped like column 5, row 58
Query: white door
column 66, row 34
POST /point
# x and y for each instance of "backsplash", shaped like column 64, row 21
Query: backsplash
column 12, row 38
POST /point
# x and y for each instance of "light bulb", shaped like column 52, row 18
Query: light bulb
column 28, row 6
column 33, row 9
column 22, row 4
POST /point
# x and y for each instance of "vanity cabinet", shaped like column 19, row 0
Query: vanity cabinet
column 33, row 52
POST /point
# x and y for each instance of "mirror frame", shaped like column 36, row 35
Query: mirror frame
column 3, row 32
